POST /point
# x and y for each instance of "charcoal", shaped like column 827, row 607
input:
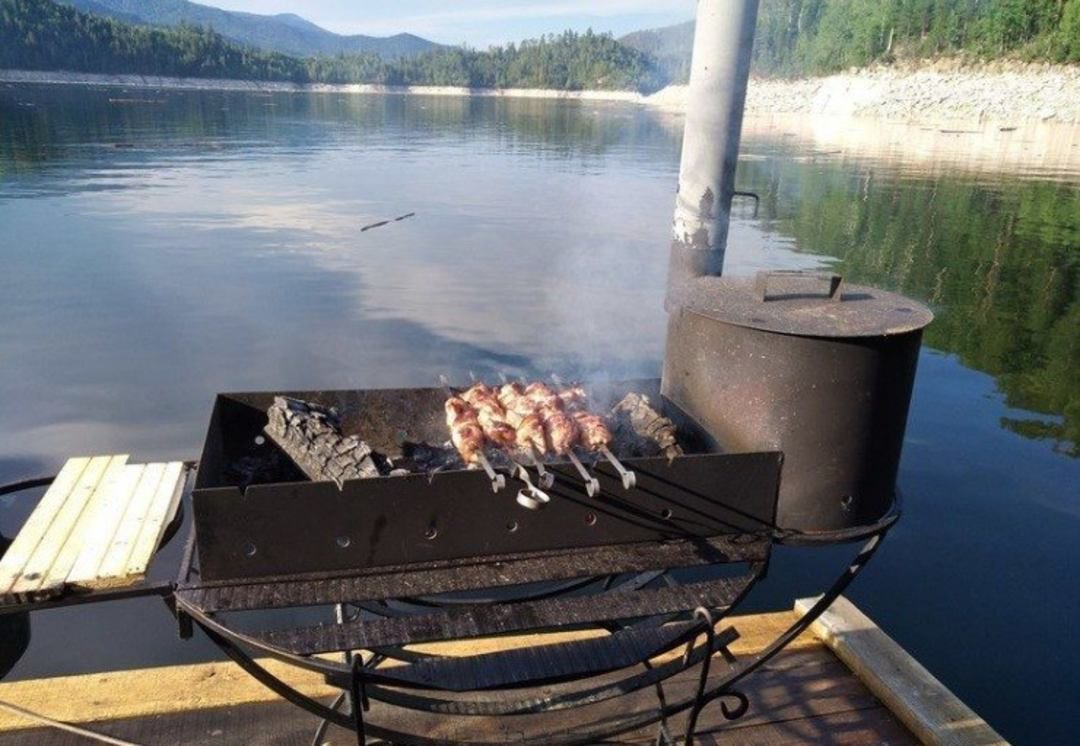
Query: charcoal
column 427, row 458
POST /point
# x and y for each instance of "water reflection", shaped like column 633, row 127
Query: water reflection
column 999, row 259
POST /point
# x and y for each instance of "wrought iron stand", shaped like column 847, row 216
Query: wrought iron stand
column 379, row 702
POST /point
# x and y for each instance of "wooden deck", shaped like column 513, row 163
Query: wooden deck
column 843, row 682
column 97, row 527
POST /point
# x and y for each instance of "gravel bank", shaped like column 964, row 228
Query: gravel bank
column 49, row 77
column 947, row 91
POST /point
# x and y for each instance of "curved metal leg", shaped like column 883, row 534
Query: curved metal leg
column 228, row 640
column 324, row 724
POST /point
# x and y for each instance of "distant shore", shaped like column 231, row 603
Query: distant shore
column 1004, row 93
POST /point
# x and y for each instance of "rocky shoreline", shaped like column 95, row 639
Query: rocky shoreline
column 944, row 91
column 1005, row 93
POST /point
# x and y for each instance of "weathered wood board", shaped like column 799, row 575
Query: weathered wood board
column 921, row 702
column 97, row 526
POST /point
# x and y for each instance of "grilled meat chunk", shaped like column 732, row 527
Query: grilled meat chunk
column 458, row 411
column 468, row 439
column 594, row 432
column 561, row 429
column 530, row 435
column 574, row 398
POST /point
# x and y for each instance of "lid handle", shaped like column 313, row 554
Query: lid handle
column 800, row 283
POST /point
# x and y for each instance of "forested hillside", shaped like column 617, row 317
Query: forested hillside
column 286, row 33
column 566, row 61
column 794, row 37
column 809, row 37
column 39, row 35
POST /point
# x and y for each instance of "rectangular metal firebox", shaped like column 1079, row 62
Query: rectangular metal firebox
column 258, row 516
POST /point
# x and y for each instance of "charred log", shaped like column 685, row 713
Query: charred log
column 641, row 430
column 311, row 436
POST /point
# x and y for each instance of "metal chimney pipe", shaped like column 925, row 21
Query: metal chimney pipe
column 723, row 43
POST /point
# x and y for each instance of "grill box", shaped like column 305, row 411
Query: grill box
column 280, row 523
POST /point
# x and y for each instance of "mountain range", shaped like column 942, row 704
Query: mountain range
column 670, row 46
column 286, row 33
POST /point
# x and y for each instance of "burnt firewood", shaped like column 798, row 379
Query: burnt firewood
column 311, row 436
column 640, row 430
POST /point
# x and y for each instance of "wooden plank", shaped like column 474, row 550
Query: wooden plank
column 191, row 688
column 913, row 694
column 114, row 566
column 32, row 582
column 162, row 509
column 35, row 527
column 870, row 727
column 71, row 544
column 101, row 521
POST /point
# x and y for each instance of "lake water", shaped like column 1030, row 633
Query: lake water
column 159, row 247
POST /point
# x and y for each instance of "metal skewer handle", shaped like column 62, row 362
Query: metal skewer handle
column 547, row 479
column 629, row 478
column 498, row 481
column 530, row 497
column 592, row 485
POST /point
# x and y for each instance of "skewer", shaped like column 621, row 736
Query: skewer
column 498, row 481
column 530, row 497
column 592, row 485
column 629, row 478
column 546, row 477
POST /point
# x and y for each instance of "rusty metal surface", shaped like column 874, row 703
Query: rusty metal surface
column 837, row 408
column 498, row 571
column 799, row 304
column 495, row 619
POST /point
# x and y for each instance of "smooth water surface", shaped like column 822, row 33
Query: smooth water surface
column 159, row 247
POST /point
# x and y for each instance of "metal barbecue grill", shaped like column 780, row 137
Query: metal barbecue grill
column 399, row 560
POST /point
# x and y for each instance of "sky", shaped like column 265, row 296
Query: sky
column 479, row 23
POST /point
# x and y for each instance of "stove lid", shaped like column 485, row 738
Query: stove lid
column 801, row 303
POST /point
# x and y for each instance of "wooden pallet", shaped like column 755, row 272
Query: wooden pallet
column 97, row 527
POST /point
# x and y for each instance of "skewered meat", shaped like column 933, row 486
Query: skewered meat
column 510, row 392
column 490, row 405
column 517, row 406
column 541, row 396
column 458, row 411
column 531, row 436
column 468, row 439
column 521, row 407
column 594, row 432
column 477, row 392
column 539, row 391
column 574, row 398
column 496, row 429
column 561, row 429
column 465, row 431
